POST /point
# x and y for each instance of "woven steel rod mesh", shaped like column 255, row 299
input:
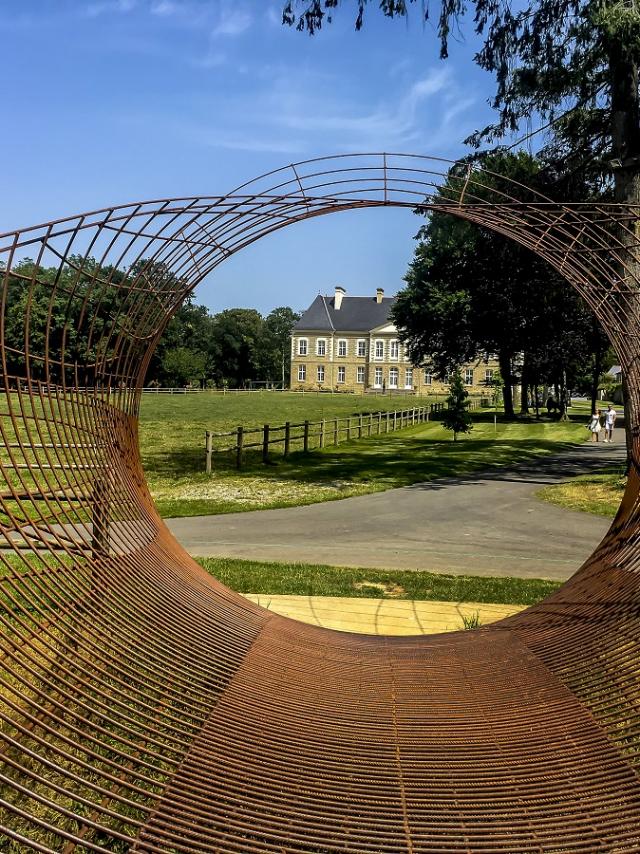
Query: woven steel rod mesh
column 146, row 707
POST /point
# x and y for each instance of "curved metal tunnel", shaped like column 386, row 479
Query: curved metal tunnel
column 146, row 707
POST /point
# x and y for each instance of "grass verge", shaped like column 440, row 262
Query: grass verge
column 599, row 493
column 319, row 580
column 180, row 487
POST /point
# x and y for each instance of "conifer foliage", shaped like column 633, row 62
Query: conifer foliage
column 456, row 416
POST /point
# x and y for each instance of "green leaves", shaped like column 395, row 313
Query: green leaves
column 456, row 416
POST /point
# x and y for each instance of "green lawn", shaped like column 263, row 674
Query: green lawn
column 599, row 493
column 172, row 444
column 317, row 580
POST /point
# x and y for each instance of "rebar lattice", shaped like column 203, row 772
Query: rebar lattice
column 146, row 707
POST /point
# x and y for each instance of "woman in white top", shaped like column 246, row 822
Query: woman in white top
column 595, row 425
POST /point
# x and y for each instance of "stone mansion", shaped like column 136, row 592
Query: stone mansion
column 350, row 344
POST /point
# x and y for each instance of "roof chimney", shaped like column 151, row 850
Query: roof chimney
column 379, row 295
column 337, row 300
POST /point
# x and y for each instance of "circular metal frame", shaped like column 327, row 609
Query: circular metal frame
column 146, row 707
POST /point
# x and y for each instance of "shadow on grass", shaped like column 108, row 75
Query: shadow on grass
column 408, row 457
column 420, row 459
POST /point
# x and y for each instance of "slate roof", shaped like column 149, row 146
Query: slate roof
column 356, row 314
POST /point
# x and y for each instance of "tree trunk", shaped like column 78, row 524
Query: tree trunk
column 504, row 360
column 625, row 132
column 524, row 393
column 595, row 378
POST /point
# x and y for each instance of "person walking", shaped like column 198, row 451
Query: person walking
column 595, row 425
column 609, row 423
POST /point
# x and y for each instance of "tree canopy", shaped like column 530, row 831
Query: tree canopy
column 572, row 63
column 234, row 347
column 472, row 290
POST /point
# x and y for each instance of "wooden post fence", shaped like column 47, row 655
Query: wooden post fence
column 342, row 429
column 240, row 442
column 287, row 439
column 209, row 445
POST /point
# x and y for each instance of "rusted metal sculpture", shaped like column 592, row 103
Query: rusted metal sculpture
column 146, row 707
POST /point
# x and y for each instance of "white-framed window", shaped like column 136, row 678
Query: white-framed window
column 394, row 350
column 408, row 378
column 428, row 377
column 468, row 376
column 342, row 372
column 377, row 382
column 446, row 377
column 302, row 373
column 362, row 347
column 321, row 347
column 488, row 376
column 303, row 346
column 342, row 347
column 379, row 349
column 320, row 373
column 360, row 374
column 393, row 378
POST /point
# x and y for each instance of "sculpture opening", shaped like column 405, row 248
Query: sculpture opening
column 146, row 707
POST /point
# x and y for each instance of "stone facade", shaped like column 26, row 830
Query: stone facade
column 328, row 353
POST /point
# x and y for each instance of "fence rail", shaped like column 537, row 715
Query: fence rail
column 311, row 435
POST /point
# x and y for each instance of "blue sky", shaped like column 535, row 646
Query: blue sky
column 110, row 101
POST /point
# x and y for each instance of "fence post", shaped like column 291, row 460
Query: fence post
column 379, row 423
column 336, row 438
column 386, row 429
column 239, row 444
column 209, row 440
column 348, row 428
column 395, row 420
column 322, row 426
column 360, row 426
column 287, row 438
column 306, row 437
column 369, row 424
column 265, row 444
column 413, row 417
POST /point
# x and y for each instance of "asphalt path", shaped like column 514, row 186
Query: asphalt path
column 489, row 523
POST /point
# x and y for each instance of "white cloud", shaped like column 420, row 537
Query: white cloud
column 274, row 16
column 232, row 22
column 212, row 59
column 164, row 8
column 107, row 6
column 389, row 125
column 249, row 140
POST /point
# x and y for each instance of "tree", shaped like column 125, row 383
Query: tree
column 573, row 63
column 275, row 350
column 235, row 344
column 191, row 329
column 182, row 366
column 471, row 290
column 456, row 416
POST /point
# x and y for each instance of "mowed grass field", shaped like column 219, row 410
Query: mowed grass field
column 598, row 493
column 172, row 430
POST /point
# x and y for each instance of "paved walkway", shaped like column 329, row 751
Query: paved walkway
column 382, row 616
column 483, row 524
